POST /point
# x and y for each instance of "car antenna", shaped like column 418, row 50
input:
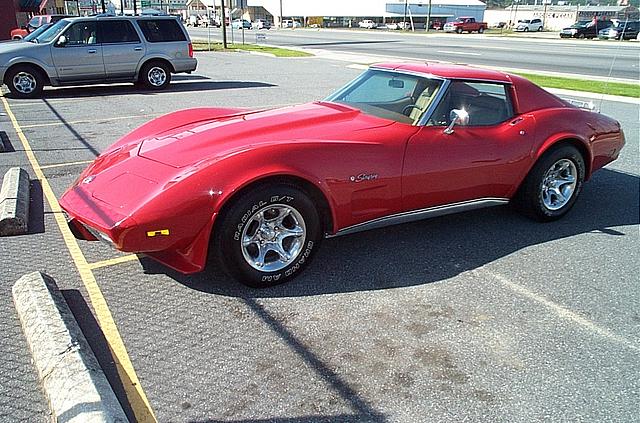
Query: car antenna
column 613, row 61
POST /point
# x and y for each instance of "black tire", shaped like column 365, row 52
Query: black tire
column 526, row 29
column 530, row 199
column 241, row 221
column 481, row 30
column 539, row 29
column 581, row 36
column 24, row 81
column 459, row 30
column 155, row 75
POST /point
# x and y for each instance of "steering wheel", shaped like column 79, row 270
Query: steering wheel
column 407, row 109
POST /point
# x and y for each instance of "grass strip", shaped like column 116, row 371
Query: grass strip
column 598, row 87
column 276, row 51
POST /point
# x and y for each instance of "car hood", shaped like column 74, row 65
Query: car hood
column 221, row 137
column 15, row 47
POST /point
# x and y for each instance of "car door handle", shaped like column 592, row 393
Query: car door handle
column 91, row 51
column 138, row 48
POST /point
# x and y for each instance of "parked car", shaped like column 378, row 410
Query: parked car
column 626, row 30
column 465, row 24
column 97, row 50
column 288, row 23
column 527, row 25
column 393, row 26
column 368, row 24
column 254, row 192
column 585, row 29
column 240, row 23
column 261, row 24
column 33, row 24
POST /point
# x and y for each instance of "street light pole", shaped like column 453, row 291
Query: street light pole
column 280, row 13
column 429, row 17
column 224, row 26
column 404, row 22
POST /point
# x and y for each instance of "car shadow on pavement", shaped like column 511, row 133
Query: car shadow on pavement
column 436, row 249
column 130, row 89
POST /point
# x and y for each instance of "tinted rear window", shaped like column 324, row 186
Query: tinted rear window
column 117, row 32
column 160, row 30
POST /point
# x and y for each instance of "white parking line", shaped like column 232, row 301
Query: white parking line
column 461, row 53
column 559, row 310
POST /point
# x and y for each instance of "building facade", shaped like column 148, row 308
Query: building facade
column 341, row 13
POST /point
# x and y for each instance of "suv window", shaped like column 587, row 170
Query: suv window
column 117, row 32
column 156, row 31
column 487, row 103
column 81, row 33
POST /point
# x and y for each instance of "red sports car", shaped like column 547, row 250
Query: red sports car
column 256, row 191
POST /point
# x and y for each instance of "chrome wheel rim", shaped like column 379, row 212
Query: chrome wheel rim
column 273, row 238
column 559, row 184
column 156, row 76
column 24, row 82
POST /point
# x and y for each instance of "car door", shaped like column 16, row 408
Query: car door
column 122, row 48
column 77, row 55
column 482, row 160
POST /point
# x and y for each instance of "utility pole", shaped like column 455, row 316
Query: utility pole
column 280, row 13
column 135, row 8
column 224, row 27
column 404, row 22
column 429, row 17
column 104, row 8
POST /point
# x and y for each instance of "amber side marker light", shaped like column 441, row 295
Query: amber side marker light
column 164, row 232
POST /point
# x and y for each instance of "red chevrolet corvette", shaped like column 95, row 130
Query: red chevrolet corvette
column 256, row 191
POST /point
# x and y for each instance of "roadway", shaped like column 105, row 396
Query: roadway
column 548, row 53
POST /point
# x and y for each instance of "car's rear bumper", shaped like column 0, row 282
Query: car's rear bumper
column 185, row 65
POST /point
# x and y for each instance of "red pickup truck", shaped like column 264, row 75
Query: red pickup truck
column 34, row 23
column 467, row 24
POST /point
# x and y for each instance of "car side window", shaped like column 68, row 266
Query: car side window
column 487, row 103
column 161, row 30
column 113, row 31
column 81, row 34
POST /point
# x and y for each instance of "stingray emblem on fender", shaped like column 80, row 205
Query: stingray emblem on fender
column 364, row 177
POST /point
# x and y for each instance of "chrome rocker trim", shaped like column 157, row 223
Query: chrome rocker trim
column 412, row 216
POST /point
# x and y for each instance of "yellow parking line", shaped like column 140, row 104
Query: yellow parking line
column 136, row 396
column 75, row 122
column 113, row 261
column 65, row 164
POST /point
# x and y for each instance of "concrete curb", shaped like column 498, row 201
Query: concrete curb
column 14, row 202
column 73, row 382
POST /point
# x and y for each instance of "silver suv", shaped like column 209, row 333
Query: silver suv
column 140, row 49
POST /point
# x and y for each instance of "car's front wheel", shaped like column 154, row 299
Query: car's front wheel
column 24, row 82
column 267, row 236
column 553, row 185
column 155, row 75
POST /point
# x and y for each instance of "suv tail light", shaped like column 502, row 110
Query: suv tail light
column 190, row 50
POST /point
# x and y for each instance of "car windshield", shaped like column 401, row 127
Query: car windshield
column 35, row 34
column 52, row 32
column 580, row 24
column 389, row 95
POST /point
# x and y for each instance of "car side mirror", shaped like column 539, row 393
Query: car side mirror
column 61, row 41
column 457, row 117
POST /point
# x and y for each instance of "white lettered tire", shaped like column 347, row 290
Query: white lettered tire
column 267, row 236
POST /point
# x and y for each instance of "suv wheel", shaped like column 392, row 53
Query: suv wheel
column 155, row 75
column 24, row 82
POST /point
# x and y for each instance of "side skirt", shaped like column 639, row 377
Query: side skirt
column 413, row 215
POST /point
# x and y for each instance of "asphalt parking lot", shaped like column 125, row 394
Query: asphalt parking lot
column 481, row 316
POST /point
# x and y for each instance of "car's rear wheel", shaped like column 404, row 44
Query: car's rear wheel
column 24, row 81
column 268, row 235
column 539, row 29
column 155, row 75
column 481, row 30
column 553, row 185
